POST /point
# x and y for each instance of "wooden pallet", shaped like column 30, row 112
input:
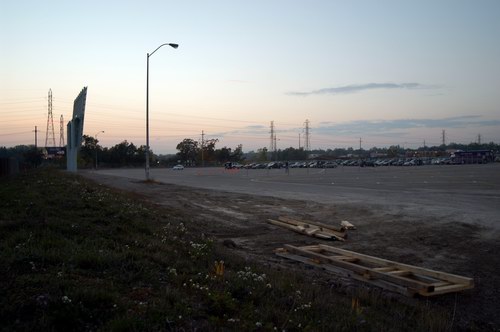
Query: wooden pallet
column 402, row 278
column 316, row 229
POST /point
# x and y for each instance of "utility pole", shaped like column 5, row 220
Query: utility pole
column 360, row 144
column 36, row 137
column 443, row 137
column 275, row 149
column 479, row 139
column 202, row 145
column 271, row 144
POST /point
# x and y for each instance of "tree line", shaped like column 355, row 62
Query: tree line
column 194, row 153
column 190, row 153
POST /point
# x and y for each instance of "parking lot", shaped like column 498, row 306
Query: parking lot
column 469, row 191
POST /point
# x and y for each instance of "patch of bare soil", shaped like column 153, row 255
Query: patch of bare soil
column 239, row 222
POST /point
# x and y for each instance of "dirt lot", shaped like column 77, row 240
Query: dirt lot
column 445, row 218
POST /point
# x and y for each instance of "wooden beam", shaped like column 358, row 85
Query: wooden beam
column 306, row 229
column 330, row 228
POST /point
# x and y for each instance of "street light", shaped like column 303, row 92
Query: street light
column 147, row 104
column 95, row 137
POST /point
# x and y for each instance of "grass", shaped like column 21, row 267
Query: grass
column 78, row 256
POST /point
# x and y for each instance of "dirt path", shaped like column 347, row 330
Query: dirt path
column 427, row 240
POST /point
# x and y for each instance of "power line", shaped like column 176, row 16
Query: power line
column 18, row 133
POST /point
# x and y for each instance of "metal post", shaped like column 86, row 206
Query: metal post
column 147, row 118
column 147, row 103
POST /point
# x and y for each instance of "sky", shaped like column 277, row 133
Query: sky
column 380, row 72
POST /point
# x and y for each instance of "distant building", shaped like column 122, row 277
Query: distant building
column 473, row 157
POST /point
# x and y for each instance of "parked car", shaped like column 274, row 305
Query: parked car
column 232, row 165
column 259, row 166
column 367, row 163
column 178, row 167
column 330, row 164
column 273, row 164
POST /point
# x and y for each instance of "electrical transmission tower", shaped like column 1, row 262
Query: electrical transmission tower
column 61, row 132
column 272, row 145
column 307, row 143
column 202, row 148
column 479, row 139
column 50, row 125
column 443, row 137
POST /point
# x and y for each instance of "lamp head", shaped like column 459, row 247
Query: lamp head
column 174, row 45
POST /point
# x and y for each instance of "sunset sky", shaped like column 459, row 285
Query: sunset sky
column 388, row 72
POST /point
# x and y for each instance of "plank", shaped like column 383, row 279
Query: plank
column 383, row 269
column 305, row 229
column 330, row 228
column 400, row 272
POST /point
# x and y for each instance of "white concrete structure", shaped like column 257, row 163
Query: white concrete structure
column 75, row 131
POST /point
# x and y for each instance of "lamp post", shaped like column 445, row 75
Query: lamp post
column 95, row 137
column 147, row 104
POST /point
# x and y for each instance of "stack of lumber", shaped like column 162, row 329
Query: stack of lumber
column 316, row 229
column 402, row 278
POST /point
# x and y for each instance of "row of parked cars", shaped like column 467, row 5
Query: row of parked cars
column 343, row 162
column 283, row 164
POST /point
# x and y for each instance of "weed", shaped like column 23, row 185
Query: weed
column 75, row 255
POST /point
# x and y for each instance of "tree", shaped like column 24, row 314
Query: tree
column 124, row 153
column 87, row 150
column 223, row 154
column 262, row 154
column 32, row 157
column 209, row 150
column 188, row 150
column 237, row 154
column 292, row 154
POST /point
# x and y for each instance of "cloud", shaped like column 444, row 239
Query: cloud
column 247, row 130
column 355, row 88
column 385, row 126
column 256, row 127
